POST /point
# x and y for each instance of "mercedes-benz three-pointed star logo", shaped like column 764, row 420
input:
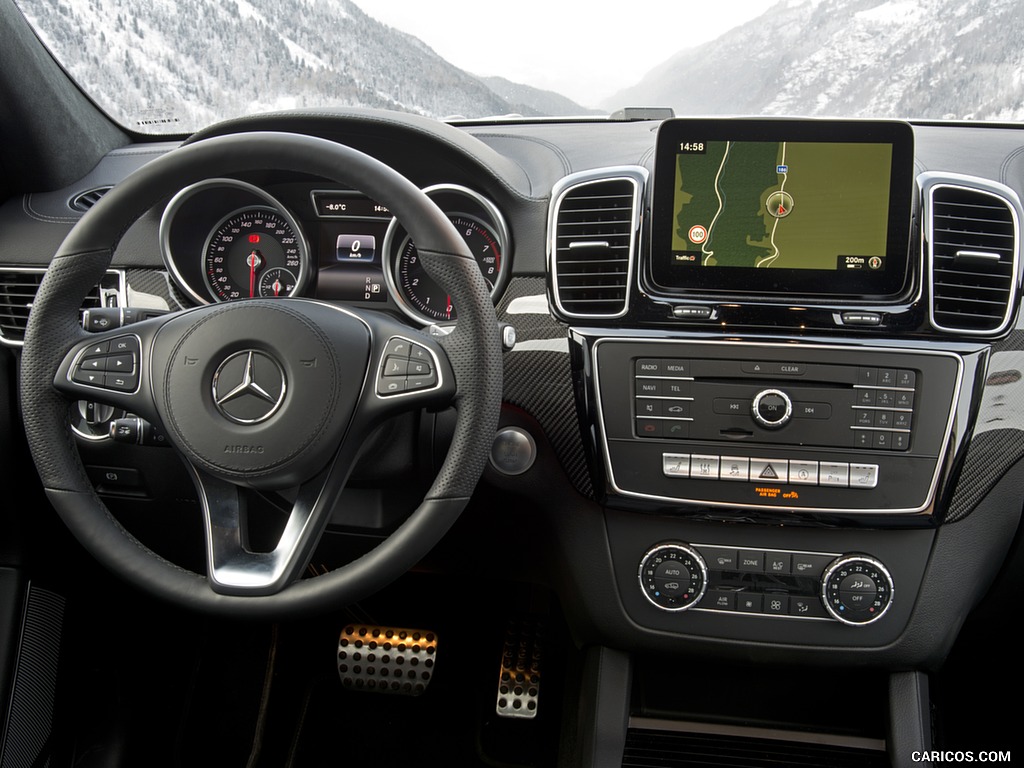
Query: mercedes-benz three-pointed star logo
column 249, row 387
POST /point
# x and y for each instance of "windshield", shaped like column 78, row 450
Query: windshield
column 174, row 66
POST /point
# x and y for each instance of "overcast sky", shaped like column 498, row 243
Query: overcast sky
column 574, row 48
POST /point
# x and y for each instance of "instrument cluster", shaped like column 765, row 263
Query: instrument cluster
column 227, row 239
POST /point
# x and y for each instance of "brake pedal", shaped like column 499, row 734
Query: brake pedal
column 386, row 659
column 520, row 673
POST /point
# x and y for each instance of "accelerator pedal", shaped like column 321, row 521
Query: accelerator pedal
column 386, row 659
column 519, row 676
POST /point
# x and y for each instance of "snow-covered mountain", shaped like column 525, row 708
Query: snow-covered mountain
column 181, row 64
column 854, row 58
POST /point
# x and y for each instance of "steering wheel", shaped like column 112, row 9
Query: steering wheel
column 260, row 393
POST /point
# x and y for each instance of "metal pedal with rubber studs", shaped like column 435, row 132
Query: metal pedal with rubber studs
column 386, row 659
column 520, row 672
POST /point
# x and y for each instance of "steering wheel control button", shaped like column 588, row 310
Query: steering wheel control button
column 407, row 367
column 249, row 387
column 110, row 365
column 772, row 408
column 513, row 451
column 673, row 577
column 856, row 589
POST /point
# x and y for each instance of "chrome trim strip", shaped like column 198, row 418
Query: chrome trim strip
column 922, row 508
column 751, row 732
column 637, row 176
column 929, row 183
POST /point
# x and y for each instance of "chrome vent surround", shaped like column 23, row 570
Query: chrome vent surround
column 972, row 233
column 83, row 201
column 593, row 229
column 18, row 290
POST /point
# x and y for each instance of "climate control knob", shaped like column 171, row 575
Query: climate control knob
column 856, row 589
column 772, row 408
column 673, row 576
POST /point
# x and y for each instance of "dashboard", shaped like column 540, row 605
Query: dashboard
column 766, row 375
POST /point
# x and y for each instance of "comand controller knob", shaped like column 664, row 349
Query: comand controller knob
column 856, row 589
column 673, row 576
column 771, row 408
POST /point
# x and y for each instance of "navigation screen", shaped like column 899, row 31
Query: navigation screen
column 822, row 212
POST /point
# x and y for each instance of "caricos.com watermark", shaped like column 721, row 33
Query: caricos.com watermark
column 961, row 756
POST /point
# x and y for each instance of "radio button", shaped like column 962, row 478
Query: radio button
column 650, row 367
column 883, row 441
column 803, row 472
column 904, row 400
column 886, row 377
column 862, row 418
column 906, row 379
column 900, row 441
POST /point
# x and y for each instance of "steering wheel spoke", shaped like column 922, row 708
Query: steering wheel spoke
column 233, row 567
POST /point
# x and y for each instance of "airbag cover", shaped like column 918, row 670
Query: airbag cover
column 260, row 391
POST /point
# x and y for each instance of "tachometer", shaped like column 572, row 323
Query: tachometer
column 422, row 293
column 483, row 228
column 253, row 252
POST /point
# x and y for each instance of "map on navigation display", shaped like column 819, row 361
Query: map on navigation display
column 781, row 204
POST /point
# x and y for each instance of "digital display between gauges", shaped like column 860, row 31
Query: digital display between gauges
column 252, row 252
column 422, row 293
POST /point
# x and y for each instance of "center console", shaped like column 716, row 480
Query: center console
column 774, row 417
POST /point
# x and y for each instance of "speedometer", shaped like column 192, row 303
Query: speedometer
column 253, row 252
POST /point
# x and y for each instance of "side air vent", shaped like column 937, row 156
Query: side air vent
column 83, row 201
column 594, row 226
column 973, row 247
column 18, row 291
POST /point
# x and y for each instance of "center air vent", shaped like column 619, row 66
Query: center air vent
column 973, row 248
column 594, row 226
column 18, row 291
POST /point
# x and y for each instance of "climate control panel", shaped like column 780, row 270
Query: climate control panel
column 854, row 589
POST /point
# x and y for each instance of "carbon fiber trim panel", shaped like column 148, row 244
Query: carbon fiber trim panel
column 538, row 377
column 26, row 741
